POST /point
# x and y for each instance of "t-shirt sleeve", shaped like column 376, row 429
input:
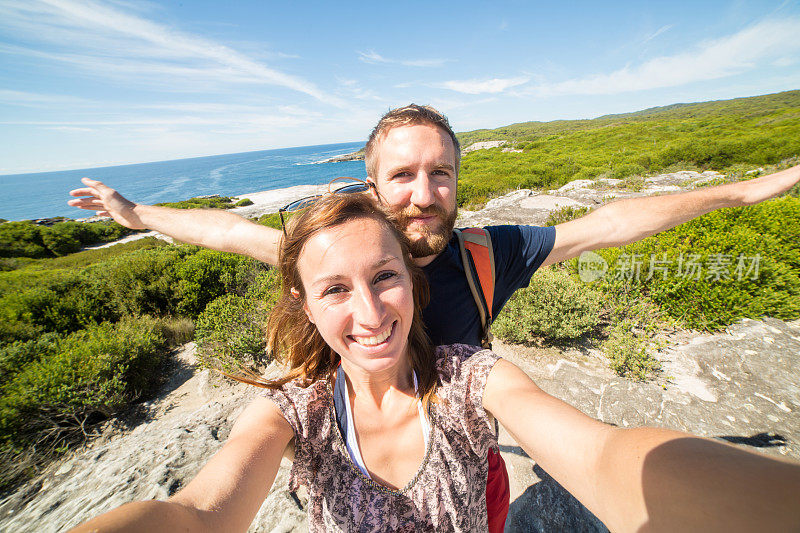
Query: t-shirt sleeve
column 287, row 407
column 518, row 252
column 293, row 410
column 463, row 372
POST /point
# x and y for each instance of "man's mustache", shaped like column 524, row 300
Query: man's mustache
column 413, row 211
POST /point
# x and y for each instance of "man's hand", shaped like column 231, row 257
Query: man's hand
column 763, row 188
column 211, row 228
column 630, row 220
column 107, row 202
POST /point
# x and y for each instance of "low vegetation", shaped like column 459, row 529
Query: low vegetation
column 83, row 336
column 705, row 274
column 204, row 202
column 27, row 239
column 556, row 307
column 728, row 136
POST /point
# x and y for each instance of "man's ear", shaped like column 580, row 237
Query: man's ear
column 373, row 190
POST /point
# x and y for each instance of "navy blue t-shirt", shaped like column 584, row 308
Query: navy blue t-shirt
column 452, row 316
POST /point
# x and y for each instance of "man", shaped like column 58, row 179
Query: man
column 412, row 158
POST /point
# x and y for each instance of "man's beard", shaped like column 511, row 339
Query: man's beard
column 432, row 242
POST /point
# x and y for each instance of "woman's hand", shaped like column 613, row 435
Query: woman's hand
column 228, row 491
column 645, row 477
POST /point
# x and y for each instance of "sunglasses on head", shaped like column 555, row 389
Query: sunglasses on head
column 357, row 186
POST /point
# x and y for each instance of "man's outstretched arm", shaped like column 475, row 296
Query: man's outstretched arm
column 210, row 228
column 631, row 220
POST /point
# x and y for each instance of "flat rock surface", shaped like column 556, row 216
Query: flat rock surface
column 739, row 386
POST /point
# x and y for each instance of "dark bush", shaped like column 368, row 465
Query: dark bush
column 26, row 239
column 21, row 239
column 207, row 274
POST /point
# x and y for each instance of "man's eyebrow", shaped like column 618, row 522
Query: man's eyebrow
column 438, row 166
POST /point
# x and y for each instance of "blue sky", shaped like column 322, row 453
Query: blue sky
column 93, row 83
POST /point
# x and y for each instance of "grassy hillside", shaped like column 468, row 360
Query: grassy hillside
column 730, row 136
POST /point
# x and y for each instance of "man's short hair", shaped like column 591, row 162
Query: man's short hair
column 410, row 115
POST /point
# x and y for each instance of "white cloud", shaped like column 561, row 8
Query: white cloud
column 658, row 32
column 104, row 39
column 373, row 58
column 492, row 86
column 28, row 99
column 713, row 59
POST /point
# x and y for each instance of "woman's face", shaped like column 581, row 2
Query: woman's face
column 359, row 294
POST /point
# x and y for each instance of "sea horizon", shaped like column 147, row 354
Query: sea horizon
column 179, row 179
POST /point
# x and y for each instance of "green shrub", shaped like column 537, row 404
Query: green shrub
column 26, row 239
column 244, row 202
column 555, row 307
column 265, row 286
column 734, row 245
column 14, row 356
column 85, row 377
column 565, row 214
column 21, row 239
column 61, row 302
column 628, row 351
column 213, row 202
column 207, row 274
column 271, row 220
column 231, row 333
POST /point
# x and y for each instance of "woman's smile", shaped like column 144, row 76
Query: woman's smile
column 375, row 341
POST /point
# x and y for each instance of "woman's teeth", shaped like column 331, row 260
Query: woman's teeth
column 373, row 341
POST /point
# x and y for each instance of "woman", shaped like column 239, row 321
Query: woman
column 390, row 434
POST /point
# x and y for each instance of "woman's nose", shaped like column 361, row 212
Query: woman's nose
column 368, row 309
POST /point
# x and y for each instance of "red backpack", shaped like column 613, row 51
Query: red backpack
column 477, row 256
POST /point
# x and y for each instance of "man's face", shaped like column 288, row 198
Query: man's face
column 416, row 177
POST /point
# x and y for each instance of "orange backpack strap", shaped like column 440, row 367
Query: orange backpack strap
column 477, row 256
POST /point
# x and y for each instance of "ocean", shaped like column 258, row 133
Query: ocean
column 44, row 194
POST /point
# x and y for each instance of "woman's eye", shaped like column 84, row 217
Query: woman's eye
column 336, row 289
column 384, row 276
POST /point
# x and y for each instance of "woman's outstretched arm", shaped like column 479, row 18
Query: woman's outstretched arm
column 645, row 478
column 228, row 491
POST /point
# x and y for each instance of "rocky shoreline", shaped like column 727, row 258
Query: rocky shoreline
column 358, row 155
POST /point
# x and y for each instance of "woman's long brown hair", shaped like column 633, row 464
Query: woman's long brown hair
column 292, row 338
